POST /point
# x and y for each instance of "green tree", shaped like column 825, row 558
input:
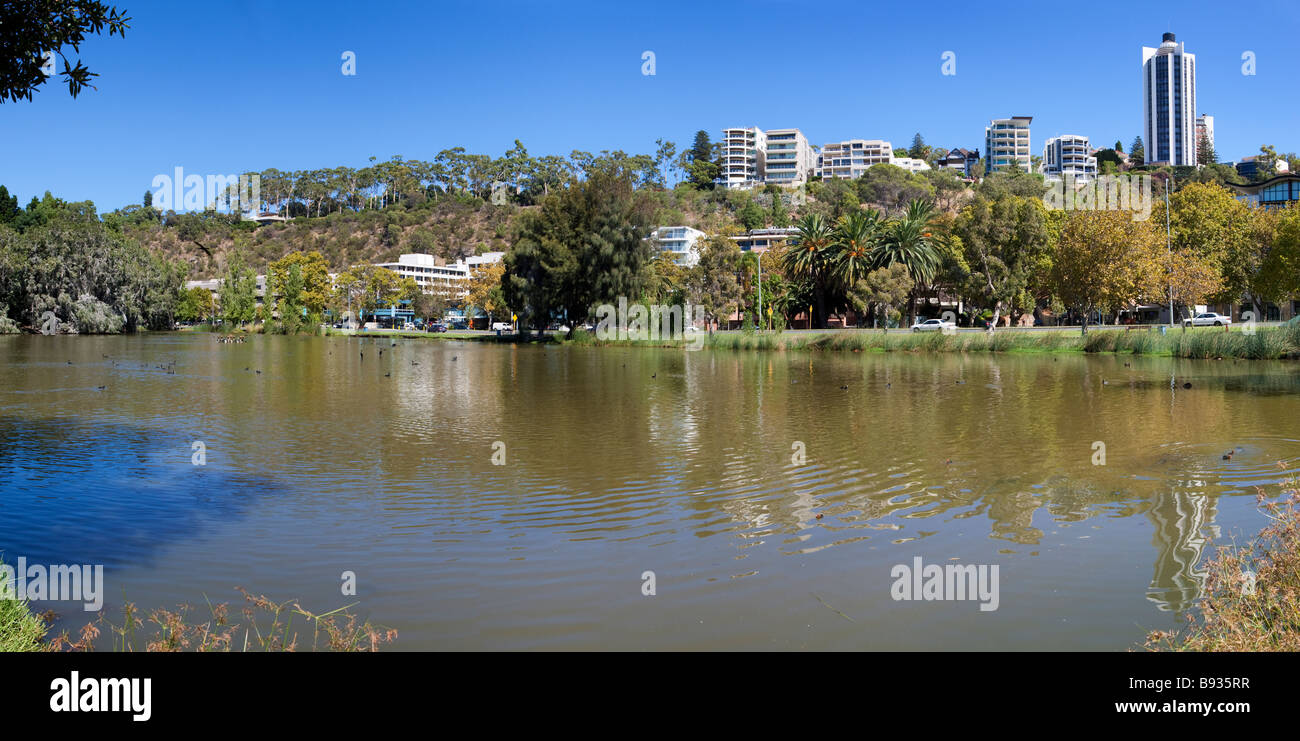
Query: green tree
column 584, row 246
column 751, row 216
column 238, row 292
column 712, row 281
column 1205, row 154
column 1136, row 153
column 918, row 150
column 31, row 29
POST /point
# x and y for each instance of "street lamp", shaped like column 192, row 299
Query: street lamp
column 1169, row 247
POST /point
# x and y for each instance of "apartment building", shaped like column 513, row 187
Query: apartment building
column 1069, row 154
column 910, row 164
column 788, row 158
column 1169, row 103
column 742, row 158
column 762, row 240
column 680, row 241
column 850, row 159
column 433, row 274
column 753, row 157
column 1006, row 142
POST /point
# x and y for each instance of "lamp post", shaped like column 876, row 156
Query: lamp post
column 1169, row 248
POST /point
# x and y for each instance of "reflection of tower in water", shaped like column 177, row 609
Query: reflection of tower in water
column 1184, row 526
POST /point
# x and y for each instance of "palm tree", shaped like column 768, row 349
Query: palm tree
column 857, row 237
column 909, row 241
column 807, row 258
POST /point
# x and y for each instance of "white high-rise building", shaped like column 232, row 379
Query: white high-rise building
column 788, row 159
column 1169, row 103
column 1204, row 127
column 752, row 157
column 742, row 158
column 1069, row 155
column 1006, row 141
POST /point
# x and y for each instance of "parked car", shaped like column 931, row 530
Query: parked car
column 1207, row 319
column 437, row 327
column 502, row 327
column 934, row 325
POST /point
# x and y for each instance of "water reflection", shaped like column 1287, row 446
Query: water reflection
column 621, row 459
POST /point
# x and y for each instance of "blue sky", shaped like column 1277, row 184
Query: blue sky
column 242, row 85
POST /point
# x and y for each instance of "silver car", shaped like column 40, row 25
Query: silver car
column 1207, row 319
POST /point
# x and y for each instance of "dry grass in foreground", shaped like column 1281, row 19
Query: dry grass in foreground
column 1236, row 614
column 266, row 626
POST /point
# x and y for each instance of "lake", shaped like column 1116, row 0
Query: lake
column 514, row 497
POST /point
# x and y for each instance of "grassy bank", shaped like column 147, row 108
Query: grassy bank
column 1270, row 343
column 261, row 625
column 20, row 628
column 1209, row 343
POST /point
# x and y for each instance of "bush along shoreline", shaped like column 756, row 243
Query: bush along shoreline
column 260, row 625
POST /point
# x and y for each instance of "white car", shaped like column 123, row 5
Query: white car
column 1207, row 319
column 502, row 327
column 934, row 325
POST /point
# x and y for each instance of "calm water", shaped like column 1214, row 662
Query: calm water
column 621, row 461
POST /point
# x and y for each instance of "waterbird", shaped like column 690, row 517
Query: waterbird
column 819, row 516
column 381, row 353
column 389, row 374
column 1187, row 385
column 69, row 362
column 843, row 387
column 654, row 375
column 259, row 373
column 100, row 388
column 1227, row 456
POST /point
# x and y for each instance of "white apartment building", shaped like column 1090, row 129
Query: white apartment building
column 1069, row 154
column 680, row 241
column 434, row 275
column 1006, row 141
column 789, row 160
column 910, row 164
column 850, row 159
column 753, row 157
column 1204, row 127
column 1169, row 103
column 742, row 158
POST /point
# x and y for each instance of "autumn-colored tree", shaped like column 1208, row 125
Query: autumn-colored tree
column 1105, row 261
column 485, row 291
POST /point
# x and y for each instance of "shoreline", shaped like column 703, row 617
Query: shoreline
column 1205, row 343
